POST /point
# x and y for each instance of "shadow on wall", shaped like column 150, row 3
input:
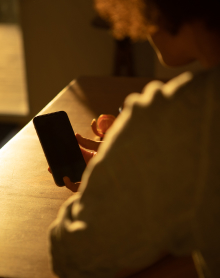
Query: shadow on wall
column 61, row 44
column 9, row 11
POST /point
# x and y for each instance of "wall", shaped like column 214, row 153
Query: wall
column 60, row 44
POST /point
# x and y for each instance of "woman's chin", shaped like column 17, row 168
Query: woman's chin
column 174, row 62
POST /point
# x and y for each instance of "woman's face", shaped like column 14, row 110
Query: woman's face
column 174, row 50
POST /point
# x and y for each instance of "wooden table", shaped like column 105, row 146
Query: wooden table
column 29, row 199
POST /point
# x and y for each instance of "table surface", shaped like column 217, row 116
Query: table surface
column 29, row 199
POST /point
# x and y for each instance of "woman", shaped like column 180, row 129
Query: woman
column 153, row 187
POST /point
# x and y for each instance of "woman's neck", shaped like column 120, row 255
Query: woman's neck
column 207, row 45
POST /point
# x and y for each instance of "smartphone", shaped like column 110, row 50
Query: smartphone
column 60, row 146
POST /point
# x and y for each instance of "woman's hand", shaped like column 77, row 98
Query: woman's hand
column 102, row 124
column 73, row 186
column 89, row 149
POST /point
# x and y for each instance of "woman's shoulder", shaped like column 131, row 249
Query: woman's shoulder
column 184, row 86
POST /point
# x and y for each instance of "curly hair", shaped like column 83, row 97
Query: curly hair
column 175, row 13
column 125, row 17
column 133, row 18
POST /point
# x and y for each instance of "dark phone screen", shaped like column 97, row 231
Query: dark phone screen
column 60, row 146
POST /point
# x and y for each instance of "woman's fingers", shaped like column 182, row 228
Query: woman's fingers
column 70, row 185
column 87, row 143
column 95, row 128
column 87, row 155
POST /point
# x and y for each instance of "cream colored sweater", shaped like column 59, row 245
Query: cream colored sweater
column 154, row 185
